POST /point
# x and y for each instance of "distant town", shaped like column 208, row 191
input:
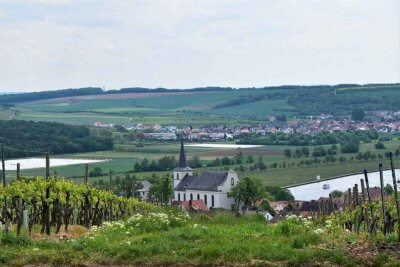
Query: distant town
column 381, row 121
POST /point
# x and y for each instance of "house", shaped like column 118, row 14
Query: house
column 210, row 186
column 144, row 191
column 194, row 206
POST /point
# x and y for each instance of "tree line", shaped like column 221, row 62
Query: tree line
column 28, row 138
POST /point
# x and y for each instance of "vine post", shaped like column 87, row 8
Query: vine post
column 47, row 206
column 111, row 213
column 395, row 193
column 372, row 225
column 382, row 196
column 364, row 202
column 3, row 166
column 86, row 174
column 18, row 171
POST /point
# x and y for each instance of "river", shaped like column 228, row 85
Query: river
column 314, row 190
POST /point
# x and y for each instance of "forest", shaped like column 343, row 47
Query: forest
column 28, row 138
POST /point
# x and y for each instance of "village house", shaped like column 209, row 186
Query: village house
column 145, row 190
column 210, row 186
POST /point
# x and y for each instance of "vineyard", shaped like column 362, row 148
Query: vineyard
column 55, row 203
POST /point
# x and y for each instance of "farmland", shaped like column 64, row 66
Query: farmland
column 243, row 106
column 122, row 162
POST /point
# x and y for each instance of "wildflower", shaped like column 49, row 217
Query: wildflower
column 128, row 242
column 319, row 231
column 35, row 249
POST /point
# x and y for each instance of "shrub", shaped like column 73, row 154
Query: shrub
column 380, row 145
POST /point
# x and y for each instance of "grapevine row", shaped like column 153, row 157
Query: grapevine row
column 57, row 203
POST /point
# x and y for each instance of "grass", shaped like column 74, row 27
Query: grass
column 222, row 239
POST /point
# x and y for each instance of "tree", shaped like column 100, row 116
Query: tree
column 287, row 153
column 195, row 162
column 96, row 172
column 246, row 191
column 380, row 145
column 358, row 114
column 305, row 151
column 265, row 206
column 250, row 159
column 350, row 147
column 162, row 190
column 388, row 189
column 279, row 193
column 225, row 161
column 336, row 193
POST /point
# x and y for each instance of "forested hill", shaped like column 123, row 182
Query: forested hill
column 27, row 138
column 8, row 99
column 24, row 97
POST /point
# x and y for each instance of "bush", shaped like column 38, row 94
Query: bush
column 11, row 239
column 380, row 145
column 350, row 147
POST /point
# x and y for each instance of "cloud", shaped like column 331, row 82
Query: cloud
column 188, row 43
column 44, row 2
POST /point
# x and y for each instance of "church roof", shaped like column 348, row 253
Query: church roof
column 182, row 157
column 207, row 181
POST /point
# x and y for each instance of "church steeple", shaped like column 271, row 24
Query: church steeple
column 183, row 168
column 182, row 157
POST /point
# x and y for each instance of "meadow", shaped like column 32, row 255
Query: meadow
column 122, row 162
column 168, row 237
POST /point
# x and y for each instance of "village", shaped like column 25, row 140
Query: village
column 381, row 121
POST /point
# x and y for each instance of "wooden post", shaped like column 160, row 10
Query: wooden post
column 395, row 193
column 356, row 202
column 364, row 203
column 111, row 213
column 86, row 174
column 372, row 224
column 55, row 174
column 3, row 166
column 382, row 194
column 47, row 165
column 47, row 207
column 18, row 171
column 349, row 193
column 331, row 203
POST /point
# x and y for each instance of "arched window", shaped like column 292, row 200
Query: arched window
column 205, row 199
column 191, row 196
column 177, row 176
column 198, row 196
column 232, row 181
column 179, row 197
column 212, row 200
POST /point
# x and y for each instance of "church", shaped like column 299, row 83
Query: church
column 210, row 186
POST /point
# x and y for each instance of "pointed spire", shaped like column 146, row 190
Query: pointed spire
column 182, row 157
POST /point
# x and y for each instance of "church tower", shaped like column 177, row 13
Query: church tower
column 183, row 168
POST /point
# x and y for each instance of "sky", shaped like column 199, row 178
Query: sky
column 54, row 44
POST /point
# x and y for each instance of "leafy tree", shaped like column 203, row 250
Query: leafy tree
column 305, row 151
column 96, row 172
column 350, row 147
column 246, row 191
column 380, row 145
column 250, row 159
column 195, row 162
column 279, row 193
column 287, row 153
column 225, row 161
column 336, row 193
column 265, row 206
column 162, row 190
column 388, row 189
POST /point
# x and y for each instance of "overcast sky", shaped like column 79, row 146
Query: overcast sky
column 53, row 44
